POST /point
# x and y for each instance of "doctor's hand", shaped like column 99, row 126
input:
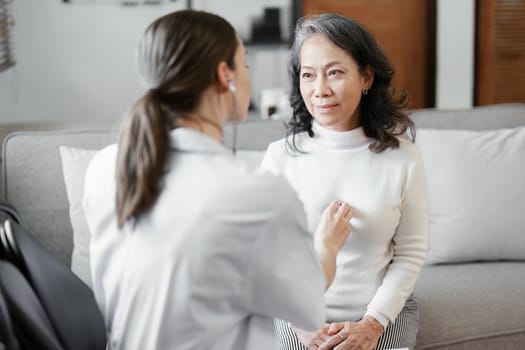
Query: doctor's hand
column 334, row 227
column 312, row 340
column 331, row 234
column 361, row 335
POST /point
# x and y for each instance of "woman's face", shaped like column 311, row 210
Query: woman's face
column 242, row 82
column 331, row 83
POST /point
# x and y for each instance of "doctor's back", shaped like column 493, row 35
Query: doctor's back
column 207, row 263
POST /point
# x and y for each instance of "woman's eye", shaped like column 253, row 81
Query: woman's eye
column 334, row 72
column 306, row 75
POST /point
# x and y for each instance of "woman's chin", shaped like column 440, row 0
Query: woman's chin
column 324, row 121
column 334, row 123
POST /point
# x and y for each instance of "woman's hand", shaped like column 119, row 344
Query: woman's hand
column 312, row 340
column 331, row 234
column 361, row 335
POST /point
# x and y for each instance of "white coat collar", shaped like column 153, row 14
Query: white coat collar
column 190, row 140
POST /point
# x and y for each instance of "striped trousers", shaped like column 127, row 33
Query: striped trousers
column 400, row 334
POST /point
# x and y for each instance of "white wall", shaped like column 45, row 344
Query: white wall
column 75, row 61
column 455, row 54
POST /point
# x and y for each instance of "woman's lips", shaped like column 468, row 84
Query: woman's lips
column 326, row 108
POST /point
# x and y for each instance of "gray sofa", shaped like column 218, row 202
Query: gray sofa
column 464, row 304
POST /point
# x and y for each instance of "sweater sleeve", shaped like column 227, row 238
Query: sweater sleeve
column 409, row 244
column 272, row 160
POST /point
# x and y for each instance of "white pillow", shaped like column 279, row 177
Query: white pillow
column 476, row 188
column 74, row 165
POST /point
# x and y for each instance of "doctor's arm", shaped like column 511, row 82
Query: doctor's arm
column 331, row 234
column 285, row 279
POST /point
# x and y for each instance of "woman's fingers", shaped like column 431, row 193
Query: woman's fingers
column 335, row 327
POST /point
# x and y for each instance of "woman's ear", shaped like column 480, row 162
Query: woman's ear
column 368, row 76
column 224, row 75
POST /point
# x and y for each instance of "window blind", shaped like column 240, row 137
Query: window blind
column 6, row 27
column 500, row 52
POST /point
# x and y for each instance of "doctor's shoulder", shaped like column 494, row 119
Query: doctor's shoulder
column 99, row 181
column 102, row 164
column 258, row 190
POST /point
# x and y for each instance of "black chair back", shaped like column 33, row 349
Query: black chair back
column 66, row 300
column 27, row 325
column 8, row 339
column 7, row 211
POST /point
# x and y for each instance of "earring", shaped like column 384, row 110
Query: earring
column 365, row 91
column 231, row 86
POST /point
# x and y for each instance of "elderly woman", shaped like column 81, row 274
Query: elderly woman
column 344, row 141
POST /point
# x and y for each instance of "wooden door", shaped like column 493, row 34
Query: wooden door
column 500, row 52
column 406, row 31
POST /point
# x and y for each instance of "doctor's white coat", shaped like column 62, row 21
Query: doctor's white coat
column 222, row 253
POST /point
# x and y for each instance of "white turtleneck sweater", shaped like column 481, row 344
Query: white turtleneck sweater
column 379, row 265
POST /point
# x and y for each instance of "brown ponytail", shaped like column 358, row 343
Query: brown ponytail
column 141, row 160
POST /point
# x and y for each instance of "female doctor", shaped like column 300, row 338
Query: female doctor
column 189, row 250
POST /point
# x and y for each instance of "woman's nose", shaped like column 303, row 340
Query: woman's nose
column 321, row 87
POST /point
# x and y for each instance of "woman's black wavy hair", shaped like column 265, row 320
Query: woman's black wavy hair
column 382, row 113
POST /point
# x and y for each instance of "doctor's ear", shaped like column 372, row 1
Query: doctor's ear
column 224, row 76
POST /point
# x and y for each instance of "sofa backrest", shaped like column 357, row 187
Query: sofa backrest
column 32, row 177
column 507, row 115
column 32, row 180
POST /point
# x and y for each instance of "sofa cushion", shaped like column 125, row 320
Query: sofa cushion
column 471, row 306
column 74, row 165
column 476, row 189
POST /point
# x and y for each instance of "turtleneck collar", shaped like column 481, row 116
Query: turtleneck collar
column 351, row 140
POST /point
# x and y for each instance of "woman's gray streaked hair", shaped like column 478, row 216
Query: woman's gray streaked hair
column 382, row 114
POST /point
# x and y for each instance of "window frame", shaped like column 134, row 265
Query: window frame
column 7, row 59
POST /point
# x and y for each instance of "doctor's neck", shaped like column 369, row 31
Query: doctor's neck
column 203, row 124
column 210, row 114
